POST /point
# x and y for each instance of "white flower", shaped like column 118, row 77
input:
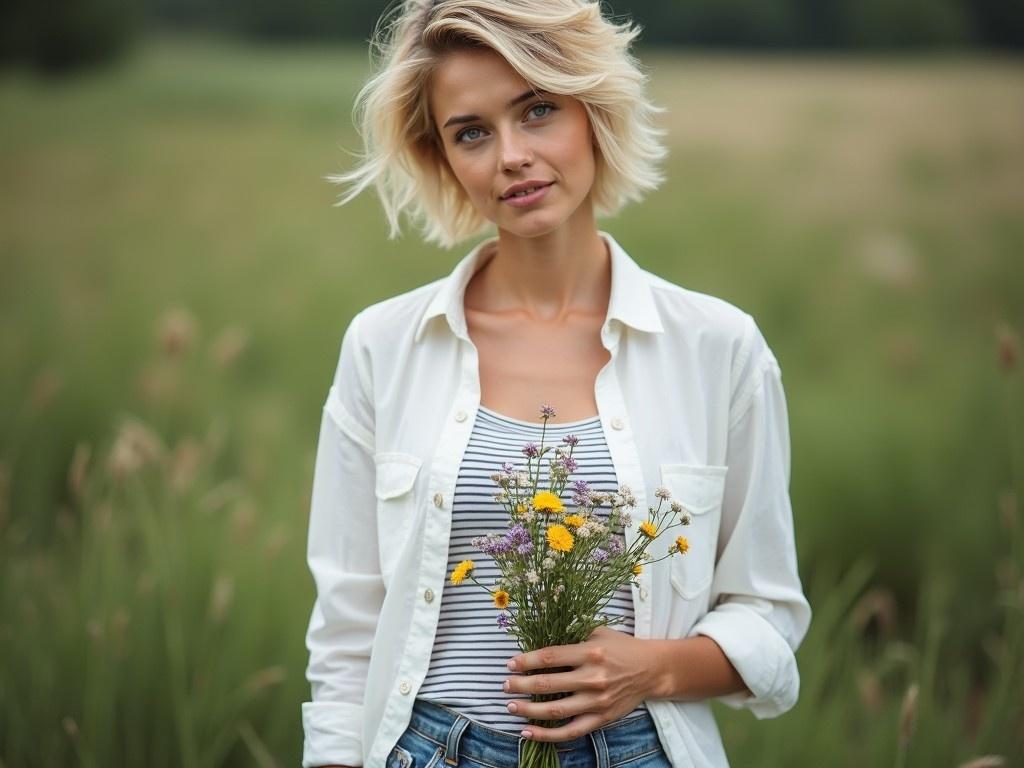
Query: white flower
column 686, row 519
column 547, row 563
column 662, row 492
column 677, row 507
column 532, row 577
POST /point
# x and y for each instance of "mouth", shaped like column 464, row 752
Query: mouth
column 526, row 192
column 528, row 197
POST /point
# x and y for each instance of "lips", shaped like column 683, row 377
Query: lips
column 527, row 187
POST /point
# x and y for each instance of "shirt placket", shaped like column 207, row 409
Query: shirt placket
column 620, row 436
column 451, row 445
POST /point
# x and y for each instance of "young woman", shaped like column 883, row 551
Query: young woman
column 530, row 115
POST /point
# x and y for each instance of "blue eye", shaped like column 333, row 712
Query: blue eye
column 459, row 136
column 464, row 133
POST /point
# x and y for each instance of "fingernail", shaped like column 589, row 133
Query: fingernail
column 511, row 664
column 512, row 707
column 505, row 686
column 527, row 734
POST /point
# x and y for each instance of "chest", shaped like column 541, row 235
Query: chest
column 525, row 364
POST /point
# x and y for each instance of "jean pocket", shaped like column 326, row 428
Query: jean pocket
column 399, row 758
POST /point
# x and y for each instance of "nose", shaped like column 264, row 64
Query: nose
column 514, row 152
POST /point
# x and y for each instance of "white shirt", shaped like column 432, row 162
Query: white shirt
column 691, row 399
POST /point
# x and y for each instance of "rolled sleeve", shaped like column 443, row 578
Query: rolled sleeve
column 343, row 559
column 760, row 614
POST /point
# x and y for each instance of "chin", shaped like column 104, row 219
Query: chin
column 535, row 224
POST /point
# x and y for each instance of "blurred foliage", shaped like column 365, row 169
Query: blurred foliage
column 67, row 34
column 176, row 284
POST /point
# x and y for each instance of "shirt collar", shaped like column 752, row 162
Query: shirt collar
column 631, row 302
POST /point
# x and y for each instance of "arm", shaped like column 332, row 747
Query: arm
column 691, row 669
column 342, row 555
column 760, row 614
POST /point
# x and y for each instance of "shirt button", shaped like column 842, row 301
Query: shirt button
column 404, row 687
column 428, row 595
column 643, row 593
column 617, row 423
column 460, row 416
column 438, row 500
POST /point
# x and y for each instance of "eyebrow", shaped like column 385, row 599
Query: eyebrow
column 517, row 100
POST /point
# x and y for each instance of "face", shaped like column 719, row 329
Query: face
column 497, row 133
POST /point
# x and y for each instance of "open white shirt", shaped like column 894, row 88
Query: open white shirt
column 691, row 399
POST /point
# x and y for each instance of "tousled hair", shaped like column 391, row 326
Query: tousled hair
column 561, row 46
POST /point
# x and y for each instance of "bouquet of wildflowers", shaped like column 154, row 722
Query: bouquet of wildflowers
column 561, row 566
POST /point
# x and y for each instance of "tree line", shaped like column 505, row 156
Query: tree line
column 66, row 34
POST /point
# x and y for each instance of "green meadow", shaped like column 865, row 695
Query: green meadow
column 175, row 282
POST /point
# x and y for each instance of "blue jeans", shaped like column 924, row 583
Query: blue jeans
column 438, row 737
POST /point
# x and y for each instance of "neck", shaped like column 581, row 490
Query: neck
column 551, row 276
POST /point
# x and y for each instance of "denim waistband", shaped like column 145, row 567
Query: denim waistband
column 616, row 742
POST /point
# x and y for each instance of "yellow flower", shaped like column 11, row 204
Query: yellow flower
column 500, row 598
column 574, row 520
column 682, row 544
column 638, row 569
column 521, row 509
column 546, row 500
column 559, row 538
column 648, row 527
column 461, row 571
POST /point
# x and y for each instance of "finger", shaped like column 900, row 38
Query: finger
column 545, row 658
column 554, row 682
column 559, row 709
column 578, row 726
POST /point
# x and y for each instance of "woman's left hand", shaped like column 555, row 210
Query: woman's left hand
column 611, row 675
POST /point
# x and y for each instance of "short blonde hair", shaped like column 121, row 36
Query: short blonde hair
column 560, row 46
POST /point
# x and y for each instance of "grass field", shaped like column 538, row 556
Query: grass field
column 175, row 283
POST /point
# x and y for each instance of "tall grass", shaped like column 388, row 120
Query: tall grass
column 175, row 284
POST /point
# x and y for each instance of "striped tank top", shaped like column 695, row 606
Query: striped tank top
column 467, row 664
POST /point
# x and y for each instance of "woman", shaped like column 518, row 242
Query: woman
column 530, row 115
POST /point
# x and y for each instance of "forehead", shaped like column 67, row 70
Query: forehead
column 473, row 81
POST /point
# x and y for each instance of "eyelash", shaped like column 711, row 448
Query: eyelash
column 551, row 107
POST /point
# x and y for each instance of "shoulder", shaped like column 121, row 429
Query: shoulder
column 700, row 317
column 723, row 333
column 388, row 321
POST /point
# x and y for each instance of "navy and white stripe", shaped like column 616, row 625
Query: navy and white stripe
column 467, row 663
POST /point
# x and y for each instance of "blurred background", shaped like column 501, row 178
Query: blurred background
column 174, row 284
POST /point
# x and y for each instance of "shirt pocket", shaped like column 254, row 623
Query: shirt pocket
column 396, row 506
column 700, row 489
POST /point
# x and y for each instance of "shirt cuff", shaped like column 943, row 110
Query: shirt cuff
column 761, row 656
column 333, row 734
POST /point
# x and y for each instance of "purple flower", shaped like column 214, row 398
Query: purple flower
column 525, row 548
column 547, row 412
column 531, row 451
column 500, row 546
column 569, row 463
column 507, row 468
column 504, row 621
column 571, row 440
column 581, row 497
column 599, row 555
column 616, row 546
column 518, row 534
